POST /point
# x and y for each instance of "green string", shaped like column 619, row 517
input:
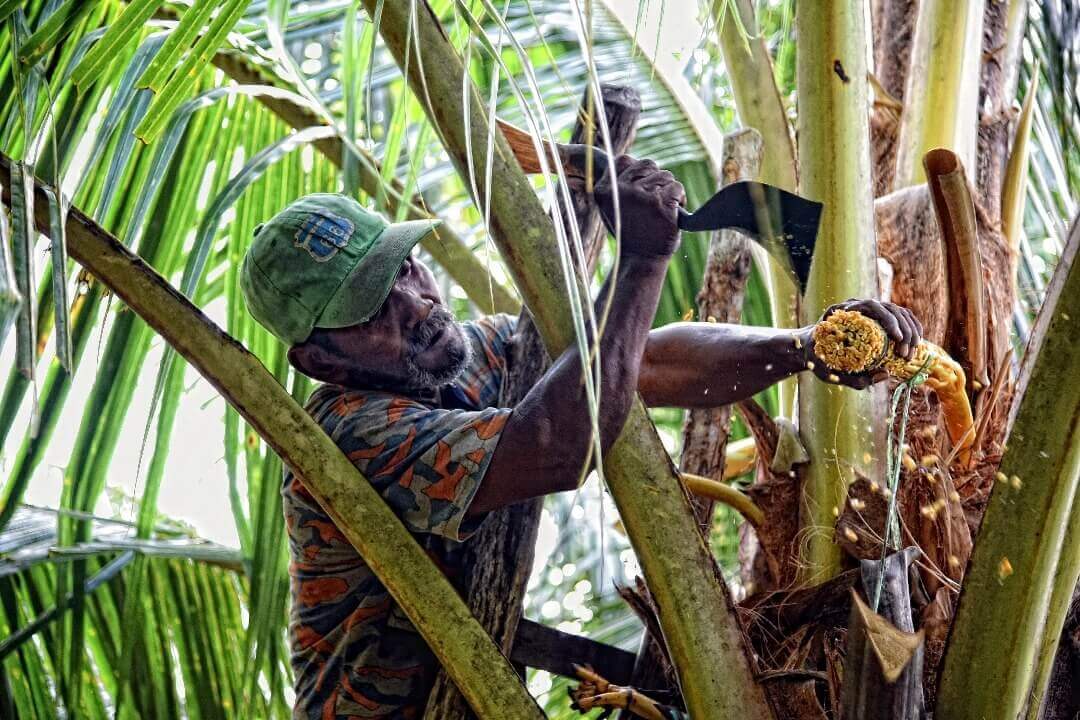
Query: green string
column 893, row 452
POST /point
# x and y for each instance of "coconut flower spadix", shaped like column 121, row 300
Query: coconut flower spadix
column 850, row 342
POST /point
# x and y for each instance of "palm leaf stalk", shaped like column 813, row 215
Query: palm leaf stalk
column 757, row 98
column 942, row 92
column 696, row 612
column 1021, row 570
column 840, row 427
column 484, row 676
column 1061, row 600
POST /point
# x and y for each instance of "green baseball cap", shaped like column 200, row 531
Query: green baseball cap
column 324, row 261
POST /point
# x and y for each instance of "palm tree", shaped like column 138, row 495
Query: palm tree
column 179, row 141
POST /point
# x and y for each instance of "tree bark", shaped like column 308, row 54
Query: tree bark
column 1021, row 551
column 997, row 93
column 499, row 557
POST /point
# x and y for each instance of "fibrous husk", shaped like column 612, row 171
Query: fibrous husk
column 935, row 620
column 909, row 238
column 860, row 529
column 767, row 554
column 771, row 617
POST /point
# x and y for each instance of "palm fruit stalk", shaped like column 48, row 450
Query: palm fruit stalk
column 848, row 341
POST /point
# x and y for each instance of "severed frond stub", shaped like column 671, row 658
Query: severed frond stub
column 595, row 692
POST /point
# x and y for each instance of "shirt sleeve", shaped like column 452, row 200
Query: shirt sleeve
column 481, row 382
column 426, row 463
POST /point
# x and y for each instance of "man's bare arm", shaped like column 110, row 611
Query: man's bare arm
column 545, row 443
column 699, row 365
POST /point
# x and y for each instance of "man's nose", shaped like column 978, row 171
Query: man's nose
column 419, row 307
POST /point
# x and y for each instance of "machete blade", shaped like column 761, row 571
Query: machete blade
column 783, row 223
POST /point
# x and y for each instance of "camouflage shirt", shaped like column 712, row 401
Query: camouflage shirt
column 354, row 653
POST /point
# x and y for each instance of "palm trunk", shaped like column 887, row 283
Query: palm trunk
column 696, row 612
column 841, row 428
column 487, row 679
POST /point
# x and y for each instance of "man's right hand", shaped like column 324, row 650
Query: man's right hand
column 649, row 199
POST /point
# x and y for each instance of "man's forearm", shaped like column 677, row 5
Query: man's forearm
column 546, row 441
column 695, row 365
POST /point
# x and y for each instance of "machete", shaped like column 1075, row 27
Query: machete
column 785, row 224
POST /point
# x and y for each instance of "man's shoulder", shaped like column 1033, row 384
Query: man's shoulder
column 493, row 330
column 331, row 405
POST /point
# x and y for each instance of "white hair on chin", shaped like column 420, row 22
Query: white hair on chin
column 458, row 352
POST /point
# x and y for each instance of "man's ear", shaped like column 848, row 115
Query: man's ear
column 314, row 361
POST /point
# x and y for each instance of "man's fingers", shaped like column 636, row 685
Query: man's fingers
column 658, row 178
column 673, row 194
column 914, row 322
column 622, row 162
column 887, row 320
column 638, row 174
column 907, row 330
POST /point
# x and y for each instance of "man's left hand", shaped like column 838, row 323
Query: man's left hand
column 900, row 325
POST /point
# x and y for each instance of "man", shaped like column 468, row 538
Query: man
column 411, row 397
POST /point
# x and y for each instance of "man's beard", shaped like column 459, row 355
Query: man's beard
column 458, row 352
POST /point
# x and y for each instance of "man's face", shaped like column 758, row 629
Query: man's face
column 412, row 343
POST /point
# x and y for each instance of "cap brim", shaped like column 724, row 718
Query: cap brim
column 364, row 290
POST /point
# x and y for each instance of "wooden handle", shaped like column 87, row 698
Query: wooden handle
column 572, row 158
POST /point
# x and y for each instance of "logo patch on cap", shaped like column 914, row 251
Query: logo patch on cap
column 322, row 234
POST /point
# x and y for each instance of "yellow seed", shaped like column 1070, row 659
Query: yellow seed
column 874, row 487
column 927, row 511
column 688, row 315
column 908, row 462
column 954, row 561
column 1005, row 568
column 1001, row 477
column 866, row 458
column 857, row 504
column 954, row 496
column 976, row 385
column 835, row 511
column 929, row 460
column 850, row 534
column 809, row 364
column 834, row 378
column 710, row 319
column 1015, row 482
